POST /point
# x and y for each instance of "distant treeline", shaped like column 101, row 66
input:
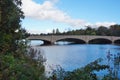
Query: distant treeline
column 113, row 30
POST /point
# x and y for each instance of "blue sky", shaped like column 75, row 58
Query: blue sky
column 42, row 16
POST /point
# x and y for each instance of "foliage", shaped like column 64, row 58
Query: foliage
column 113, row 30
column 58, row 73
column 103, row 31
column 56, row 31
column 113, row 70
column 16, row 62
column 89, row 71
column 21, row 68
column 109, row 77
column 84, row 73
column 10, row 25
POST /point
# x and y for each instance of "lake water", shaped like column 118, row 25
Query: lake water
column 71, row 57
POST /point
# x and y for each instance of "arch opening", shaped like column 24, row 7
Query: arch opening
column 117, row 41
column 38, row 42
column 34, row 42
column 47, row 42
column 70, row 41
column 100, row 41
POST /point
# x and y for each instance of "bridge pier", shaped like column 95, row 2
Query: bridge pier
column 87, row 41
column 113, row 42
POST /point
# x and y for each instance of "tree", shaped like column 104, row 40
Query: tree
column 53, row 32
column 90, row 31
column 115, row 30
column 10, row 27
column 57, row 31
column 16, row 63
column 104, row 31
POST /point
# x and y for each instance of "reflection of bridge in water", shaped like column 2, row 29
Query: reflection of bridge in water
column 78, row 39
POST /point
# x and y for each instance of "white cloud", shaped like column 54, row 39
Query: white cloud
column 98, row 24
column 106, row 24
column 39, row 31
column 48, row 11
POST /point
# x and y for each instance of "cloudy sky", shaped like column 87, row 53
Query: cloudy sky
column 42, row 16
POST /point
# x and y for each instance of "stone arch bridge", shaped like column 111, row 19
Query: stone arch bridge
column 79, row 39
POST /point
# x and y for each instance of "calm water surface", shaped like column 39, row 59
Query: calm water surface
column 71, row 57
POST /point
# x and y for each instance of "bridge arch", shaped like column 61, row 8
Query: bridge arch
column 72, row 40
column 45, row 42
column 117, row 41
column 100, row 41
